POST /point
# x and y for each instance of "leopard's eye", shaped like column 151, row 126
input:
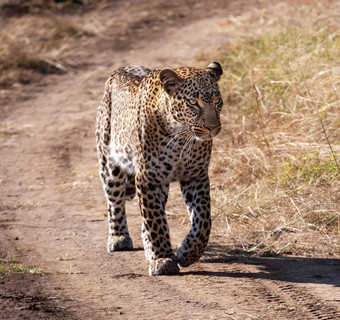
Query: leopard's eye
column 219, row 100
column 193, row 101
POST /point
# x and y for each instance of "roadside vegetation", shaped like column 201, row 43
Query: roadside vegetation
column 276, row 164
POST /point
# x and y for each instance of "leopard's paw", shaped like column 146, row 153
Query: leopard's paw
column 186, row 258
column 163, row 266
column 119, row 243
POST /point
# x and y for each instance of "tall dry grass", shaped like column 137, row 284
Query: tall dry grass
column 276, row 164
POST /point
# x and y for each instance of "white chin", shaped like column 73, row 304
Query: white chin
column 204, row 138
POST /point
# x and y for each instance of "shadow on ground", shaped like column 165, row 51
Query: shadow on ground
column 281, row 268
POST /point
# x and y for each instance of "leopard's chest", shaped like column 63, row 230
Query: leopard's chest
column 173, row 162
column 179, row 161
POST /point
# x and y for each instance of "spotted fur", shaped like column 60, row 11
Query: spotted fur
column 154, row 127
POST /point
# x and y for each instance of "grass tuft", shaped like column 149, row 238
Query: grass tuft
column 307, row 169
column 11, row 266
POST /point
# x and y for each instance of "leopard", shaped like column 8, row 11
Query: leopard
column 155, row 127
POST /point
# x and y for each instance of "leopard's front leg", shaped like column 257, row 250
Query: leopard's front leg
column 155, row 229
column 196, row 194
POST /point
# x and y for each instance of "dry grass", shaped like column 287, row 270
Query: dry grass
column 36, row 45
column 37, row 39
column 9, row 8
column 276, row 164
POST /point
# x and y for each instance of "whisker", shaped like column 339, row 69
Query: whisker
column 179, row 130
column 190, row 151
column 177, row 137
column 186, row 142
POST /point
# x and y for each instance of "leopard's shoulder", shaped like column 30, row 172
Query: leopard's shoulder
column 129, row 77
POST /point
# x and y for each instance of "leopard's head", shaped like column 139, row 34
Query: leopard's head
column 194, row 98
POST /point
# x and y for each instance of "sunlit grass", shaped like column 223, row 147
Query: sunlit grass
column 307, row 169
column 277, row 161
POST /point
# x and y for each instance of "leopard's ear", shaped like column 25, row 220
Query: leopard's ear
column 215, row 70
column 169, row 80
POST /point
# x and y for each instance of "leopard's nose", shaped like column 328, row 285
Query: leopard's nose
column 210, row 119
column 213, row 127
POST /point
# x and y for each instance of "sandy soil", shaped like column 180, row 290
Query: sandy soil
column 52, row 210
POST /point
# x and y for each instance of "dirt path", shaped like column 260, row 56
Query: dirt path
column 52, row 208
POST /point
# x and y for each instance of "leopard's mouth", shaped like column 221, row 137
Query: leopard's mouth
column 202, row 133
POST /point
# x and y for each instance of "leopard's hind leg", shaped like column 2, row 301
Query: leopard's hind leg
column 113, row 177
column 115, row 191
column 130, row 190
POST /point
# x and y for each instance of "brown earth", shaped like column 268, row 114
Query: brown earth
column 53, row 209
